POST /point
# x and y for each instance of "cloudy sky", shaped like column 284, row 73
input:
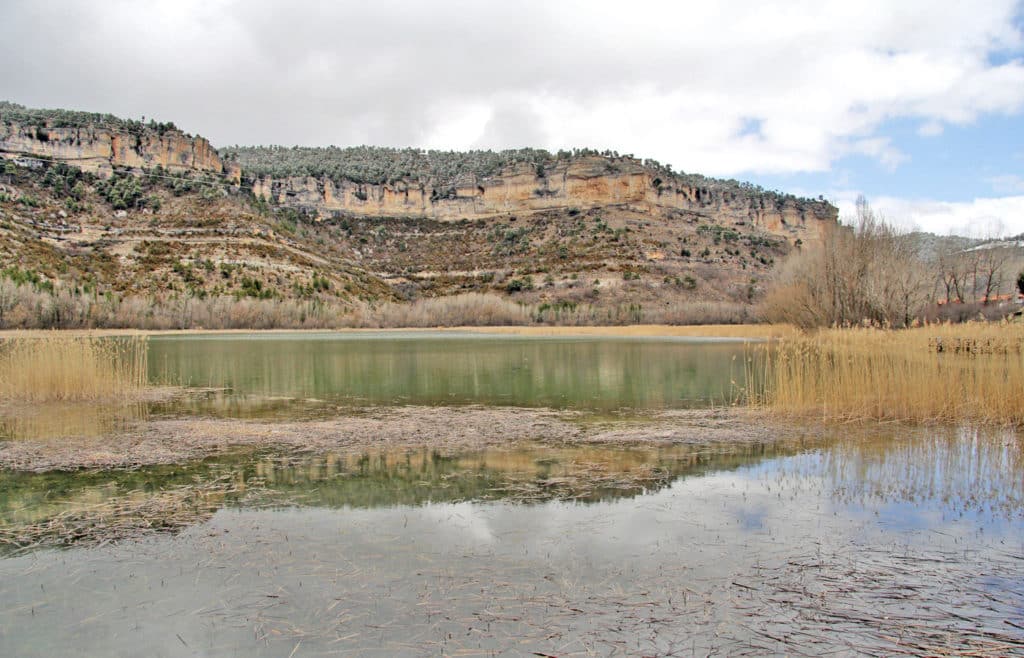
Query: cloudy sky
column 918, row 104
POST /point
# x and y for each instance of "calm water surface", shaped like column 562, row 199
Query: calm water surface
column 306, row 375
column 447, row 368
column 872, row 541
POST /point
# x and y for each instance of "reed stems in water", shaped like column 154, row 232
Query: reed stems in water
column 943, row 373
column 41, row 368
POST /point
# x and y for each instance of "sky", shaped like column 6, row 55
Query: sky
column 916, row 104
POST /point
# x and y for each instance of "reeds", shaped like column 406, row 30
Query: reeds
column 944, row 373
column 42, row 368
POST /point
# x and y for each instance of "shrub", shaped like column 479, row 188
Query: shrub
column 520, row 285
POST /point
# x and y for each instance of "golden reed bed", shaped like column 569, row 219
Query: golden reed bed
column 42, row 367
column 942, row 373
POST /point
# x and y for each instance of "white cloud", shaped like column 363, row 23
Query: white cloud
column 680, row 82
column 882, row 150
column 983, row 217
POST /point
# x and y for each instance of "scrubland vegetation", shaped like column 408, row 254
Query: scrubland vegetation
column 443, row 170
column 57, row 118
column 26, row 306
column 43, row 368
column 157, row 251
column 154, row 251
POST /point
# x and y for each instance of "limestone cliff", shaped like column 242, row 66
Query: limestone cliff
column 99, row 143
column 578, row 183
column 409, row 183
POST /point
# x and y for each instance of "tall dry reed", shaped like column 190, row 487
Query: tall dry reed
column 39, row 368
column 947, row 373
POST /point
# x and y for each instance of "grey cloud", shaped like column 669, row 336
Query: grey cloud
column 350, row 71
column 512, row 125
column 387, row 72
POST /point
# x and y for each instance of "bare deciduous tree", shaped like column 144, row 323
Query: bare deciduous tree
column 870, row 271
column 991, row 268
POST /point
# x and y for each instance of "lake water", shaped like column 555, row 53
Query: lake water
column 431, row 368
column 872, row 540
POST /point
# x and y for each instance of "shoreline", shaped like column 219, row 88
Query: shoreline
column 763, row 331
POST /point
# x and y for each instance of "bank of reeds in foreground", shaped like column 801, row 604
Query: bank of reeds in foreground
column 41, row 368
column 946, row 373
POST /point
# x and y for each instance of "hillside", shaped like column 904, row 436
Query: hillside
column 122, row 209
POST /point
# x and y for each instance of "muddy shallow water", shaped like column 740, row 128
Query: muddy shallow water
column 446, row 495
column 898, row 541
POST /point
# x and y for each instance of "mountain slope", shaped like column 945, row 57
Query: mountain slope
column 127, row 209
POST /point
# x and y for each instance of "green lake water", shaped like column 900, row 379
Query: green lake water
column 866, row 541
column 432, row 368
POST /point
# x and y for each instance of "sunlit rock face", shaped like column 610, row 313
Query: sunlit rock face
column 581, row 183
column 100, row 149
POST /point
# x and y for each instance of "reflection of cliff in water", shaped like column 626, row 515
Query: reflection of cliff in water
column 955, row 471
column 525, row 473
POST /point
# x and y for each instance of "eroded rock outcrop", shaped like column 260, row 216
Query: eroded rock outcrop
column 582, row 183
column 537, row 181
column 101, row 149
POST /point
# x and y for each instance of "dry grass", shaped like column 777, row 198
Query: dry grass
column 752, row 331
column 23, row 308
column 943, row 373
column 473, row 308
column 42, row 368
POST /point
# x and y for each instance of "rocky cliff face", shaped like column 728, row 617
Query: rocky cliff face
column 517, row 185
column 582, row 183
column 100, row 149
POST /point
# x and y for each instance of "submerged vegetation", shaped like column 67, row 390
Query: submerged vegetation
column 971, row 373
column 54, row 367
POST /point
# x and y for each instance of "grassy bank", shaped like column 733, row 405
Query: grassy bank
column 41, row 368
column 947, row 373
